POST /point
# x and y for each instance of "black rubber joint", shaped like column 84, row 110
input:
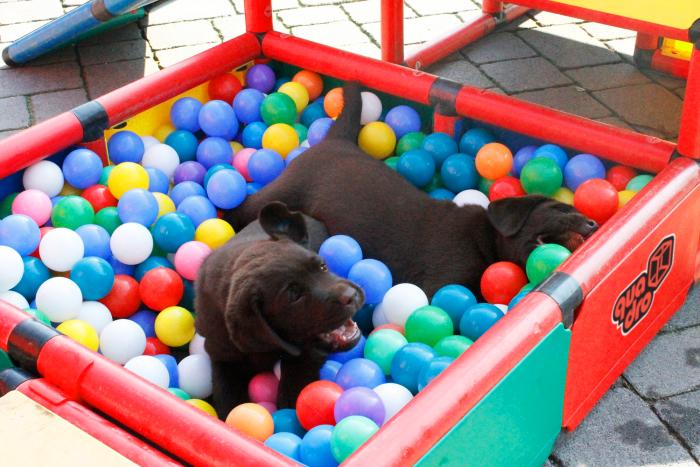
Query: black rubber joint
column 443, row 96
column 26, row 341
column 566, row 291
column 12, row 378
column 93, row 118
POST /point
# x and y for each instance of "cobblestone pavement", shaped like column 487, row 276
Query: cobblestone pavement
column 652, row 415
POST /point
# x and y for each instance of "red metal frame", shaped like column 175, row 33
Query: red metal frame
column 392, row 31
column 689, row 135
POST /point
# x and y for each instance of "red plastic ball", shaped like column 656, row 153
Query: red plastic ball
column 597, row 199
column 161, row 288
column 316, row 402
column 502, row 281
column 42, row 232
column 99, row 197
column 123, row 300
column 394, row 327
column 224, row 88
column 155, row 347
column 506, row 187
column 620, row 175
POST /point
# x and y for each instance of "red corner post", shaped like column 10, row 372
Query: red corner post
column 392, row 31
column 689, row 136
column 258, row 15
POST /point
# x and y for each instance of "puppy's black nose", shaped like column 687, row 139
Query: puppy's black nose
column 592, row 226
column 347, row 296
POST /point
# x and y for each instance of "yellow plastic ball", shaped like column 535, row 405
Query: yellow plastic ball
column 253, row 420
column 564, row 195
column 377, row 139
column 70, row 190
column 165, row 204
column 81, row 332
column 163, row 131
column 214, row 232
column 127, row 176
column 174, row 326
column 281, row 138
column 297, row 92
column 235, row 146
column 204, row 406
column 624, row 196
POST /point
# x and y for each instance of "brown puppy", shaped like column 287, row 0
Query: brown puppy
column 266, row 296
column 423, row 241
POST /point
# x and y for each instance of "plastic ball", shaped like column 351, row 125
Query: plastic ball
column 298, row 93
column 131, row 243
column 564, row 195
column 315, row 449
column 263, row 387
column 402, row 119
column 99, row 197
column 83, row 168
column 20, row 232
column 95, row 314
column 452, row 346
column 34, row 204
column 624, row 197
column 189, row 171
column 360, row 372
column 204, row 406
column 217, row 118
column 281, row 138
column 214, row 233
column 60, row 249
column 180, row 394
column 377, row 139
column 184, row 114
column 356, row 351
column 581, row 168
column 471, row 197
column 224, row 87
column 430, row 371
column 596, row 199
column 226, row 189
column 333, row 102
column 44, row 176
column 38, row 315
column 638, row 182
column 253, row 420
column 372, row 110
column 240, row 162
column 260, row 77
column 350, row 434
column 412, row 140
column 94, row 276
column 381, row 347
column 394, row 397
column 458, row 173
column 246, row 105
column 374, row 278
column 301, row 131
column 400, row 301
column 214, row 150
column 184, row 143
column 541, row 175
column 265, row 165
column 124, row 146
column 138, row 206
column 620, row 176
column 287, row 444
column 311, row 81
column 278, row 108
column 505, row 187
column 417, row 166
column 442, row 193
column 189, row 257
column 316, row 402
column 454, row 299
column 197, row 208
column 473, row 140
column 478, row 319
column 161, row 288
column 544, row 260
column 408, row 362
column 147, row 320
column 81, row 332
column 329, row 370
column 494, row 160
column 428, row 325
column 184, row 190
column 501, row 281
column 553, row 152
column 172, row 231
column 59, row 299
column 127, row 176
column 72, row 212
column 521, row 157
column 162, row 132
column 149, row 368
column 360, row 401
column 312, row 113
column 15, row 299
column 35, row 274
column 252, row 135
column 440, row 146
column 123, row 300
column 194, row 374
column 174, row 325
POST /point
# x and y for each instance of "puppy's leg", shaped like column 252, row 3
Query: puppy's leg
column 297, row 372
column 229, row 382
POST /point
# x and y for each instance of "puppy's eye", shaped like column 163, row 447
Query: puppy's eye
column 323, row 267
column 294, row 293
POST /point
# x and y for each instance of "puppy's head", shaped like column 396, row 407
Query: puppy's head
column 282, row 296
column 526, row 222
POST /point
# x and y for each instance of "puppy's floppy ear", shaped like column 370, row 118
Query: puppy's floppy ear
column 279, row 222
column 509, row 215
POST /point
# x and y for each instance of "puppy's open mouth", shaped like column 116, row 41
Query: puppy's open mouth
column 342, row 337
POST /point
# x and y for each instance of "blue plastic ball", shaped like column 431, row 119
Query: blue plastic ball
column 581, row 168
column 184, row 114
column 253, row 134
column 95, row 239
column 360, row 372
column 357, row 351
column 293, row 154
column 433, row 368
column 138, row 206
column 190, row 171
column 458, row 173
column 35, row 274
column 246, row 105
column 152, row 262
column 311, row 113
column 455, row 299
column 214, row 150
column 340, row 253
column 408, row 362
column 318, row 130
column 280, row 82
column 124, row 146
column 184, row 143
column 121, row 268
column 478, row 319
column 184, row 190
column 440, row 146
column 329, row 370
column 315, row 448
column 473, row 140
column 94, row 276
column 441, row 193
column 515, row 300
column 82, row 168
column 226, row 189
column 265, row 165
column 522, row 157
column 403, row 119
column 217, row 118
column 147, row 320
column 197, row 208
column 417, row 166
column 157, row 180
column 286, row 420
column 374, row 278
column 287, row 444
column 171, row 365
column 260, row 77
column 21, row 233
column 554, row 152
column 215, row 169
column 173, row 230
column 187, row 301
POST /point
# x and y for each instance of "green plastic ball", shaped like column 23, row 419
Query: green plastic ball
column 382, row 345
column 542, row 176
column 5, row 361
column 108, row 218
column 434, row 184
column 278, row 108
column 105, row 175
column 412, row 140
column 485, row 185
column 428, row 324
column 452, row 346
column 544, row 260
column 391, row 162
column 179, row 393
column 301, row 130
column 6, row 205
column 38, row 315
column 349, row 434
column 71, row 212
column 638, row 182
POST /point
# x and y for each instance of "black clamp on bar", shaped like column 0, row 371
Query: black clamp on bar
column 12, row 378
column 93, row 118
column 26, row 341
column 443, row 96
column 566, row 291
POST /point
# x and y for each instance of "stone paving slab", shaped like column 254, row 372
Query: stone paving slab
column 604, row 32
column 682, row 414
column 497, row 47
column 172, row 56
column 32, row 80
column 312, row 15
column 424, row 8
column 29, row 10
column 119, row 51
column 687, row 316
column 462, row 72
column 600, row 77
column 100, row 79
column 14, row 113
column 45, row 106
column 525, row 74
column 186, row 10
column 167, row 36
column 369, row 11
column 334, row 34
column 572, row 99
column 418, row 30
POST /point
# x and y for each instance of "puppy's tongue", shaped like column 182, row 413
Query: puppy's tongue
column 575, row 241
column 342, row 337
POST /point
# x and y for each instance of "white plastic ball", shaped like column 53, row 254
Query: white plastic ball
column 60, row 249
column 277, row 369
column 194, row 374
column 371, row 108
column 59, row 299
column 163, row 157
column 151, row 369
column 44, row 176
column 15, row 298
column 400, row 301
column 466, row 197
column 378, row 316
column 197, row 345
column 122, row 340
column 131, row 243
column 503, row 308
column 95, row 314
column 305, row 144
column 394, row 396
column 12, row 268
column 149, row 141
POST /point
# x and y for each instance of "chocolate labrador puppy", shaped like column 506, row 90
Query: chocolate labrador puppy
column 266, row 296
column 423, row 241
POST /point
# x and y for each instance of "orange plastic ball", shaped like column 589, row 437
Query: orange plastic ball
column 494, row 160
column 333, row 102
column 253, row 420
column 311, row 81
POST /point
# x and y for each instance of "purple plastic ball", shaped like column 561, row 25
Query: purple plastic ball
column 190, row 171
column 403, row 119
column 265, row 165
column 581, row 168
column 360, row 401
column 318, row 130
column 522, row 157
column 360, row 372
column 214, row 150
column 261, row 77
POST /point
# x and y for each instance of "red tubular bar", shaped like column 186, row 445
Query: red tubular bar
column 104, row 431
column 408, row 436
column 492, row 7
column 646, row 41
column 689, row 135
column 258, row 15
column 671, row 65
column 392, row 31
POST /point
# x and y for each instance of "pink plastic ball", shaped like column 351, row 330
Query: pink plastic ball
column 240, row 162
column 263, row 387
column 189, row 257
column 269, row 406
column 33, row 203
